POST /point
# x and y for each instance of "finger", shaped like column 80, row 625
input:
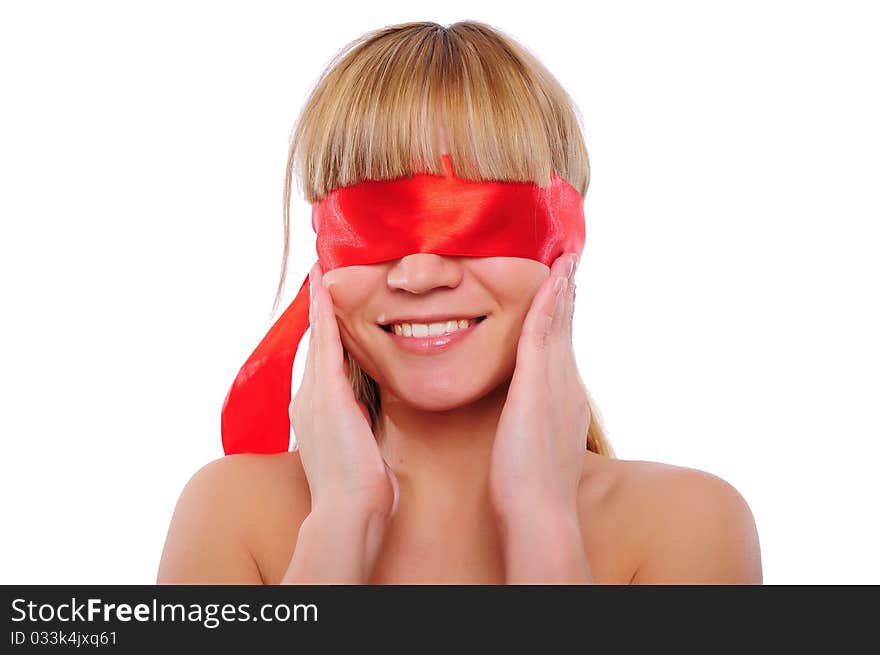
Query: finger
column 328, row 345
column 558, row 328
column 301, row 397
column 568, row 311
column 543, row 314
column 312, row 355
column 309, row 366
column 564, row 267
column 394, row 485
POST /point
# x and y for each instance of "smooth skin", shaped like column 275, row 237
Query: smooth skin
column 487, row 478
column 482, row 475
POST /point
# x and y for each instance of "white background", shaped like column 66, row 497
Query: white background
column 727, row 312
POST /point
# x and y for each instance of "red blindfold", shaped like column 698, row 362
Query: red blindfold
column 377, row 221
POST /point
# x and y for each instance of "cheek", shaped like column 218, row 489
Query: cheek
column 512, row 281
column 345, row 303
column 516, row 294
column 350, row 294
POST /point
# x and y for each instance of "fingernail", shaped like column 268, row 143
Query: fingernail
column 572, row 264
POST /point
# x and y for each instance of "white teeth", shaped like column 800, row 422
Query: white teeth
column 430, row 329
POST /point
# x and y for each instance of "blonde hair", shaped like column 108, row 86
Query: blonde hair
column 372, row 115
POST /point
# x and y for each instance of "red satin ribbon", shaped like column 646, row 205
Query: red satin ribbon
column 376, row 221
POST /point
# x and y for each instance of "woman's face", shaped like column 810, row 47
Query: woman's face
column 461, row 367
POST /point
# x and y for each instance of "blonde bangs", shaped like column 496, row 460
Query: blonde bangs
column 373, row 114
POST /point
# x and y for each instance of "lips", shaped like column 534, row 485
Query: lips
column 432, row 345
column 448, row 317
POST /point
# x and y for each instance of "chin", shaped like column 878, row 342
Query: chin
column 439, row 401
column 432, row 391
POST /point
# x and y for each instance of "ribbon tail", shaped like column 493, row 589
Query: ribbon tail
column 255, row 416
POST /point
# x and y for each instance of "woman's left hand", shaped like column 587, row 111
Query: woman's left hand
column 539, row 447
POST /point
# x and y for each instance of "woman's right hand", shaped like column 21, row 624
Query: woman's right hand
column 354, row 492
column 345, row 470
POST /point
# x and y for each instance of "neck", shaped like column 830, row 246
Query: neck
column 441, row 458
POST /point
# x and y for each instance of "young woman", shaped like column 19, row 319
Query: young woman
column 443, row 432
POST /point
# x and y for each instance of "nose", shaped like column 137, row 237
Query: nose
column 422, row 272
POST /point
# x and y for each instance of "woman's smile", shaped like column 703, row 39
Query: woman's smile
column 396, row 318
column 421, row 339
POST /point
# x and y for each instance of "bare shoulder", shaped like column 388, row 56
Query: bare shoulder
column 683, row 525
column 225, row 514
